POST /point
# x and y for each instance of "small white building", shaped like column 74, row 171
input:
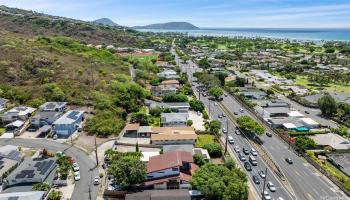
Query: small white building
column 310, row 123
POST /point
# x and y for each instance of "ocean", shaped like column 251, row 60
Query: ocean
column 302, row 34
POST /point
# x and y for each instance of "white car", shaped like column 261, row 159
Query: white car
column 237, row 150
column 253, row 152
column 238, row 132
column 97, row 180
column 241, row 110
column 267, row 196
column 75, row 167
column 271, row 186
column 77, row 176
column 215, row 104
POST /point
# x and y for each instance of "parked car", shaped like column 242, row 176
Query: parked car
column 230, row 139
column 253, row 152
column 271, row 186
column 75, row 167
column 256, row 179
column 262, row 174
column 97, row 180
column 55, row 137
column 237, row 150
column 241, row 156
column 77, row 176
column 224, row 130
column 289, row 161
column 247, row 166
column 269, row 134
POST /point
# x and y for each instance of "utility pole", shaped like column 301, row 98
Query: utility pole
column 209, row 106
column 71, row 139
column 226, row 136
column 262, row 195
column 96, row 153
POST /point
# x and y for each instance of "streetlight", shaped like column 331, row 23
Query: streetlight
column 226, row 135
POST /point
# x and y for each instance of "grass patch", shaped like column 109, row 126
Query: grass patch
column 148, row 58
column 2, row 131
column 302, row 80
column 204, row 139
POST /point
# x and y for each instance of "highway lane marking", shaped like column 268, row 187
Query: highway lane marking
column 298, row 173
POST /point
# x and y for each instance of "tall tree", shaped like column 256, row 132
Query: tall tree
column 327, row 105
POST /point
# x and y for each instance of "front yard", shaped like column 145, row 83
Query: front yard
column 204, row 139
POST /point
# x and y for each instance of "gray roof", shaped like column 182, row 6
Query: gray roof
column 145, row 129
column 3, row 101
column 174, row 117
column 186, row 147
column 47, row 115
column 274, row 103
column 69, row 117
column 52, row 106
column 154, row 104
column 33, row 195
column 182, row 194
column 274, row 110
column 33, row 170
column 281, row 121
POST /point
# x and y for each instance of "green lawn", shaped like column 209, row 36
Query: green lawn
column 204, row 139
column 2, row 130
column 302, row 80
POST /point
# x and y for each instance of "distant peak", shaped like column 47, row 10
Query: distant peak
column 169, row 26
column 106, row 22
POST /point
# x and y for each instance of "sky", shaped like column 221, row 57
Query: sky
column 202, row 13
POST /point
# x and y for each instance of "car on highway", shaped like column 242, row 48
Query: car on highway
column 230, row 139
column 269, row 134
column 237, row 150
column 262, row 174
column 223, row 115
column 75, row 167
column 246, row 150
column 219, row 116
column 225, row 95
column 55, row 137
column 224, row 130
column 280, row 198
column 271, row 186
column 215, row 103
column 266, row 196
column 97, row 180
column 238, row 132
column 307, row 112
column 241, row 156
column 77, row 176
column 253, row 160
column 247, row 166
column 241, row 110
column 253, row 152
column 256, row 179
column 289, row 161
column 236, row 113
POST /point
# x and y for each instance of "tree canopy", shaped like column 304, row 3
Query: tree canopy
column 251, row 126
column 128, row 171
column 304, row 143
column 172, row 97
column 327, row 105
column 217, row 182
column 216, row 92
column 197, row 105
column 215, row 126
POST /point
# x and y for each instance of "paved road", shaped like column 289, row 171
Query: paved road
column 305, row 180
column 84, row 189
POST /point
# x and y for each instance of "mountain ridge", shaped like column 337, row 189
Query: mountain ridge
column 105, row 21
column 169, row 26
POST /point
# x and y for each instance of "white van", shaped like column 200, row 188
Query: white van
column 253, row 161
column 230, row 139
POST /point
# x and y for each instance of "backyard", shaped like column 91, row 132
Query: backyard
column 204, row 139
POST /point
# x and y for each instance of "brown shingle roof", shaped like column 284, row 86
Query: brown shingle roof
column 161, row 137
column 170, row 82
column 132, row 127
column 168, row 160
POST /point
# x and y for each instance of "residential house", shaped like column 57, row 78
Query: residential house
column 270, row 112
column 273, row 103
column 68, row 123
column 3, row 103
column 30, row 171
column 53, row 107
column 296, row 89
column 173, row 135
column 172, row 170
column 332, row 140
column 182, row 107
column 254, row 95
column 17, row 113
column 310, row 123
column 182, row 194
column 43, row 118
column 165, row 87
column 174, row 119
column 10, row 157
column 135, row 130
column 168, row 74
column 32, row 195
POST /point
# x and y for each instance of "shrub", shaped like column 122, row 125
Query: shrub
column 214, row 149
column 199, row 159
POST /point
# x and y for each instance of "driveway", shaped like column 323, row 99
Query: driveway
column 84, row 189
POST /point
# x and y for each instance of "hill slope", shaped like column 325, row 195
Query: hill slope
column 169, row 26
column 106, row 22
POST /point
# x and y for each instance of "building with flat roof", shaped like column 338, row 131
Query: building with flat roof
column 310, row 123
column 332, row 140
column 174, row 119
column 173, row 135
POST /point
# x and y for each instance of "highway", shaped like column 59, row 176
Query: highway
column 84, row 189
column 305, row 180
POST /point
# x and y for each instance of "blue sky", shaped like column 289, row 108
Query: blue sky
column 202, row 13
